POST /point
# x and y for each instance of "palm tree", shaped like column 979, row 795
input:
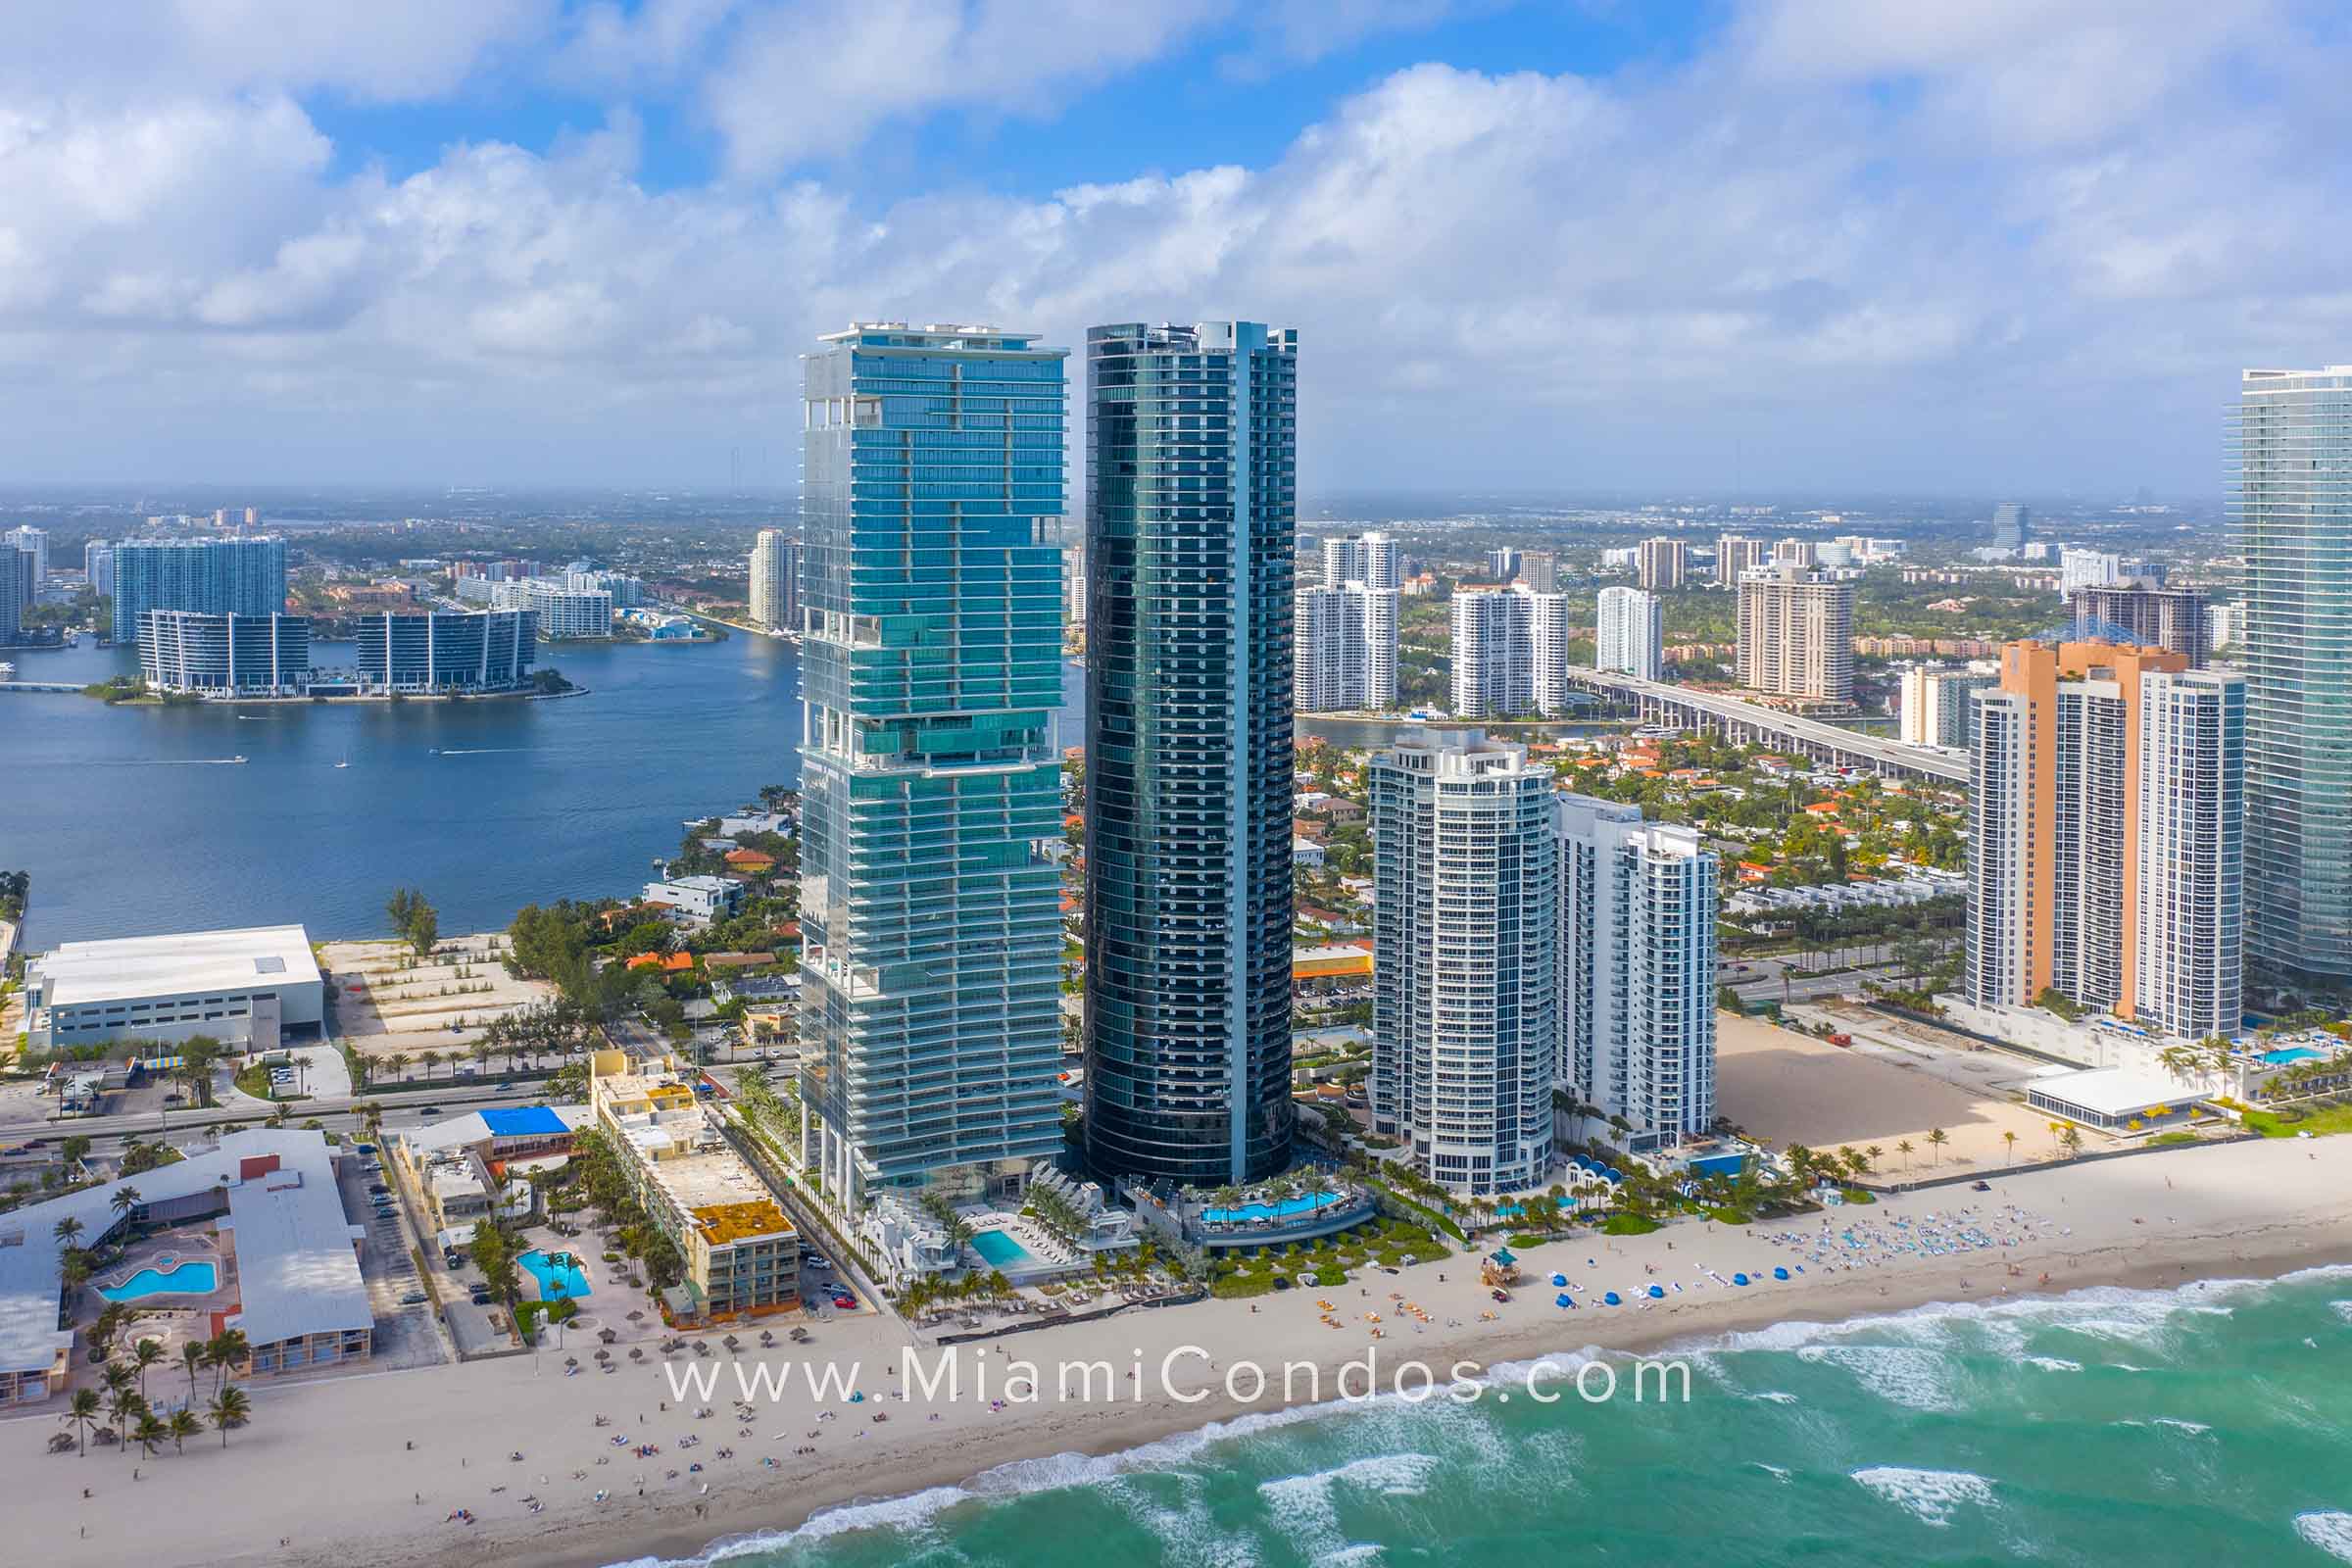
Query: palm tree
column 230, row 1408
column 148, row 1431
column 1903, row 1148
column 192, row 1356
column 2072, row 1140
column 122, row 1409
column 2009, row 1142
column 80, row 1410
column 144, row 1354
column 68, row 1231
column 225, row 1350
column 1874, row 1153
column 1937, row 1139
column 182, row 1426
column 125, row 1200
column 2058, row 1131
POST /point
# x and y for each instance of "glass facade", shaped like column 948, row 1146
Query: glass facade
column 213, row 576
column 2291, row 452
column 225, row 656
column 931, row 585
column 1190, row 515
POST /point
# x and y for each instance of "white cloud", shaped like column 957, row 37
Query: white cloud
column 1519, row 278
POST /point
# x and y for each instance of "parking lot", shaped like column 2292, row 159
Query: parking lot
column 405, row 1332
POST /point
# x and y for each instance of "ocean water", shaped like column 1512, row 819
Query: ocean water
column 2207, row 1425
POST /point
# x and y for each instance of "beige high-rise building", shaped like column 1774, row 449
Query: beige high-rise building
column 775, row 564
column 1661, row 563
column 1795, row 552
column 2106, row 836
column 1735, row 554
column 1796, row 633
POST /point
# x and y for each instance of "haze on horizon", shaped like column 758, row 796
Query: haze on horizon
column 1951, row 247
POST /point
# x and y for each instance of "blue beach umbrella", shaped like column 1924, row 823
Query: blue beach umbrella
column 1612, row 1299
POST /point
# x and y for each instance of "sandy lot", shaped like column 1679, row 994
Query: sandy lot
column 1794, row 1089
column 385, row 1004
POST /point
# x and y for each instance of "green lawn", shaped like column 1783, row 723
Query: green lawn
column 2319, row 1121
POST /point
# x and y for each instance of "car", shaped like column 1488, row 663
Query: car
column 845, row 1301
column 364, row 1148
column 378, row 1189
column 428, row 1110
column 481, row 1298
column 414, row 1299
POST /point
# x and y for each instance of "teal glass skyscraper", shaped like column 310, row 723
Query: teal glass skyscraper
column 211, row 576
column 2291, row 450
column 931, row 663
column 1191, row 522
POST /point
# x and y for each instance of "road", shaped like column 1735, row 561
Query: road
column 334, row 1111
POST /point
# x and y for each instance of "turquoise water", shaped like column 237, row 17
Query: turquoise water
column 181, row 1279
column 996, row 1248
column 1264, row 1211
column 2279, row 1058
column 2208, row 1425
column 565, row 1280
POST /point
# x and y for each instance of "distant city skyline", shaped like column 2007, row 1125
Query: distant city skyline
column 1734, row 248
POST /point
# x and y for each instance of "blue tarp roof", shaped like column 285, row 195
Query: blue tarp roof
column 523, row 1122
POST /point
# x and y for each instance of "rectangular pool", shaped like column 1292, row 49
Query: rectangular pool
column 996, row 1248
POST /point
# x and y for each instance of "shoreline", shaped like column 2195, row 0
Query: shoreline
column 332, row 1455
column 789, row 1510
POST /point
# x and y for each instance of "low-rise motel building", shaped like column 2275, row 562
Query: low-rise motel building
column 742, row 1255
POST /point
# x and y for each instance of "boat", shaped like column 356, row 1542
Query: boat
column 344, row 761
column 434, row 752
column 237, row 758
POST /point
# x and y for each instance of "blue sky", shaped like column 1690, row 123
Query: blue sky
column 1951, row 246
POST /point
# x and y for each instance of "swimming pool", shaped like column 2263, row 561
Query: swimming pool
column 2293, row 1054
column 180, row 1279
column 1257, row 1212
column 558, row 1280
column 996, row 1248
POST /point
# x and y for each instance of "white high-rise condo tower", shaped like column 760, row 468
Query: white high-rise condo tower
column 1466, row 942
column 1632, row 637
column 1636, row 969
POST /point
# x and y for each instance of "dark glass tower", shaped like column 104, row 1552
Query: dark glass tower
column 1190, row 512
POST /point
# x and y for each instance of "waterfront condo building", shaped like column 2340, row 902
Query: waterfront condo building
column 740, row 1257
column 775, row 590
column 1660, row 564
column 1191, row 518
column 1347, row 648
column 15, row 572
column 420, row 653
column 1493, row 652
column 1636, row 969
column 1466, row 926
column 931, row 664
column 1539, row 571
column 1466, row 936
column 1796, row 633
column 212, row 576
column 2291, row 457
column 563, row 616
column 2106, row 836
column 1371, row 559
column 184, row 652
column 1632, row 639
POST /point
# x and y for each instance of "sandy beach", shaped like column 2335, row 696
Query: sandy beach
column 368, row 1470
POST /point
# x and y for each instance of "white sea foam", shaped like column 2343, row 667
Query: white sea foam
column 1900, row 1374
column 1306, row 1510
column 2192, row 1428
column 1928, row 1495
column 1774, row 1397
column 1771, row 1470
column 2331, row 1532
column 2343, row 1309
column 2053, row 1363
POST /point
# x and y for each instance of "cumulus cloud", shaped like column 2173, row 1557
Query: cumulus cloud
column 1802, row 241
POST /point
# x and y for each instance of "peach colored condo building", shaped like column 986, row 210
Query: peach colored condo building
column 2107, row 836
